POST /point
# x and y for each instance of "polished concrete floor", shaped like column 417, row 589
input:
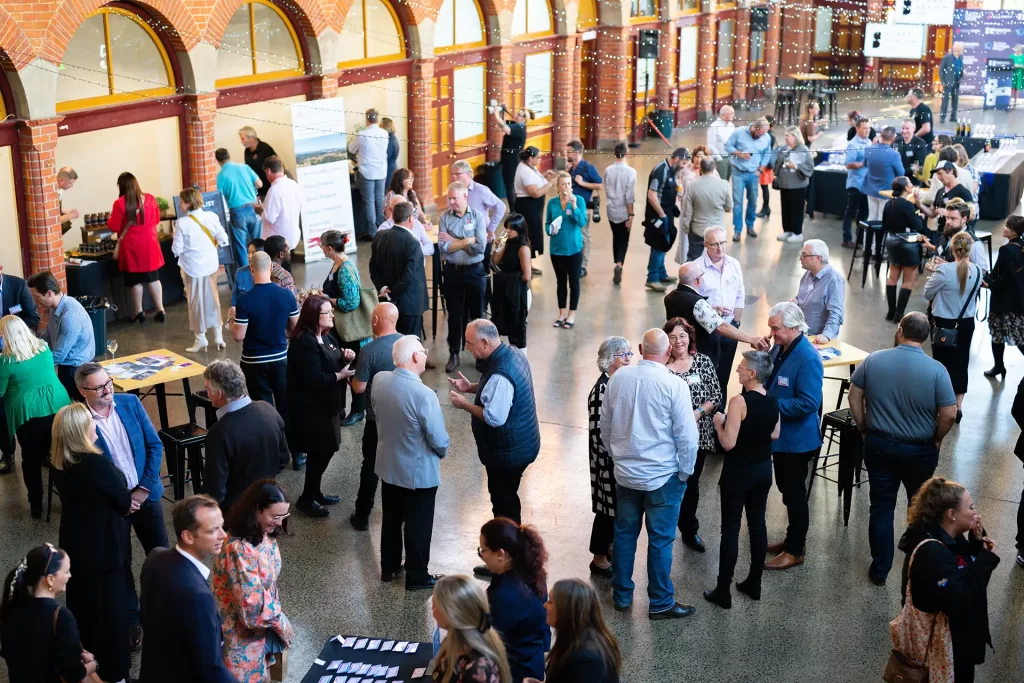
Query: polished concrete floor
column 822, row 621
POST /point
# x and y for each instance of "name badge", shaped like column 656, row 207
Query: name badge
column 909, row 152
column 15, row 309
column 783, row 381
column 730, row 280
column 693, row 380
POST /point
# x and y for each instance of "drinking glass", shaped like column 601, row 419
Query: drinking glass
column 112, row 347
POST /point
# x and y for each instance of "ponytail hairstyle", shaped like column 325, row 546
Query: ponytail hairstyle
column 580, row 624
column 525, row 548
column 933, row 499
column 470, row 630
column 900, row 186
column 960, row 246
column 40, row 562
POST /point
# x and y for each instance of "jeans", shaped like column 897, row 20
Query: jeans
column 567, row 275
column 367, row 477
column 661, row 509
column 620, row 241
column 950, row 92
column 688, row 523
column 793, row 203
column 791, row 478
column 503, row 485
column 373, row 203
column 744, row 181
column 744, row 487
column 856, row 210
column 656, row 266
column 875, row 207
column 890, row 464
column 245, row 227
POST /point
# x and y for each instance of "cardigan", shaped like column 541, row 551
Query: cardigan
column 569, row 239
column 30, row 389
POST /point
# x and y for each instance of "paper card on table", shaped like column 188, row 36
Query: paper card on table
column 361, row 643
column 319, row 662
column 351, row 667
column 367, row 680
column 349, row 642
column 374, row 644
column 341, row 641
column 334, row 665
column 388, row 644
column 340, row 679
column 418, row 673
column 326, row 679
column 363, row 669
column 412, row 648
column 401, row 646
column 392, row 672
column 374, row 670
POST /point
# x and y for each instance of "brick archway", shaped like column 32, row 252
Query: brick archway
column 308, row 18
column 15, row 48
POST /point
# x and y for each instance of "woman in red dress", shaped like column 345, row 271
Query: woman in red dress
column 134, row 218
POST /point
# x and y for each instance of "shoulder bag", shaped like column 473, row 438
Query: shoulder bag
column 91, row 678
column 945, row 337
column 357, row 324
column 205, row 230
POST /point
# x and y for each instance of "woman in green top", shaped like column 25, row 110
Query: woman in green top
column 32, row 395
column 1018, row 73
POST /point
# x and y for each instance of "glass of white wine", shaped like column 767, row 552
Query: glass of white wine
column 112, row 347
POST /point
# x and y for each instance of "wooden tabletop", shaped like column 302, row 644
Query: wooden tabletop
column 848, row 355
column 809, row 77
column 174, row 367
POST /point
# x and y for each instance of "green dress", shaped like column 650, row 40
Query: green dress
column 30, row 389
column 1018, row 71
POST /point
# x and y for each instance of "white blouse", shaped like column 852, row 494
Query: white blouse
column 527, row 176
column 196, row 252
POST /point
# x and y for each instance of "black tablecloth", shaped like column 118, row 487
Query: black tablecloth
column 1001, row 191
column 334, row 651
column 827, row 192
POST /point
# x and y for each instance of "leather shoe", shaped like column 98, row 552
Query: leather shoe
column 298, row 461
column 676, row 611
column 600, row 571
column 453, row 363
column 694, row 542
column 359, row 523
column 784, row 561
column 325, row 499
column 877, row 580
column 353, row 418
column 425, row 586
column 312, row 508
column 776, row 548
column 135, row 638
column 6, row 463
column 622, row 608
column 391, row 576
column 482, row 571
column 1020, row 560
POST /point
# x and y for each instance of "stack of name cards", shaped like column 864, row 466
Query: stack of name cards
column 355, row 659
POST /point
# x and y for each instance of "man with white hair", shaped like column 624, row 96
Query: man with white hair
column 796, row 383
column 418, row 231
column 951, row 69
column 412, row 441
column 649, row 431
column 721, row 284
column 750, row 152
column 705, row 202
column 719, row 132
column 370, row 148
column 256, row 152
column 822, row 293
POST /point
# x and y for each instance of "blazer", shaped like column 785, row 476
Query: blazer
column 147, row 449
column 796, row 383
column 182, row 624
column 794, row 178
column 17, row 300
column 396, row 262
column 244, row 446
column 314, row 393
column 95, row 503
column 1007, row 279
column 584, row 665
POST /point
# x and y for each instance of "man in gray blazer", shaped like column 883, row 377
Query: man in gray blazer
column 411, row 442
column 704, row 205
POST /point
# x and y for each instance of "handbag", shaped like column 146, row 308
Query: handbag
column 205, row 229
column 946, row 337
column 91, row 678
column 358, row 323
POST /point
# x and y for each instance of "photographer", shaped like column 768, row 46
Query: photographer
column 511, row 146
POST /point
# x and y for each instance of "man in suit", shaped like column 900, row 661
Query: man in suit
column 178, row 609
column 127, row 436
column 396, row 268
column 16, row 300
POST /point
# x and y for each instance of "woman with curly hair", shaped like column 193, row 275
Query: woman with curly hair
column 515, row 557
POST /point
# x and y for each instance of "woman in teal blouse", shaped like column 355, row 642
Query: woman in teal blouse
column 32, row 395
column 566, row 217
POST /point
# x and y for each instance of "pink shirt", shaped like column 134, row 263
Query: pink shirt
column 120, row 448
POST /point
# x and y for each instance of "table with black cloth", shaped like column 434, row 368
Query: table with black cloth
column 1000, row 192
column 334, row 651
column 826, row 192
column 358, row 210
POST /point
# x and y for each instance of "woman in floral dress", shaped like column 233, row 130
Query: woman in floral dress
column 245, row 582
column 472, row 652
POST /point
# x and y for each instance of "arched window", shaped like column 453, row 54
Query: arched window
column 586, row 15
column 258, row 45
column 643, row 10
column 460, row 26
column 372, row 34
column 113, row 57
column 531, row 18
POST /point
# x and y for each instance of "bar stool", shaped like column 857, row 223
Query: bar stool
column 868, row 231
column 850, row 456
column 785, row 100
column 179, row 441
column 202, row 400
column 827, row 102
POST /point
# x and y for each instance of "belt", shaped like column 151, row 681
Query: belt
column 242, row 206
column 902, row 442
column 457, row 266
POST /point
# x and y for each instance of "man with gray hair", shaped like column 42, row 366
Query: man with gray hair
column 66, row 178
column 796, row 383
column 246, row 443
column 412, row 442
column 462, row 239
column 951, row 70
column 822, row 293
column 369, row 146
column 750, row 152
column 256, row 152
column 719, row 132
column 704, row 205
column 479, row 197
column 651, row 435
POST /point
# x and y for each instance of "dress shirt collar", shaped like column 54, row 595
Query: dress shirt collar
column 691, row 288
column 708, row 263
column 470, row 185
column 232, row 406
column 823, row 272
column 650, row 363
column 203, row 569
column 61, row 305
column 408, row 374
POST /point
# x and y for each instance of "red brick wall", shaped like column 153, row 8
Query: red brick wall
column 665, row 73
column 565, row 89
column 740, row 55
column 420, row 112
column 773, row 44
column 706, row 67
column 200, row 111
column 498, row 61
column 615, row 48
column 37, row 142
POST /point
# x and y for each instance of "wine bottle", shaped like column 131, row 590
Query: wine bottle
column 968, row 133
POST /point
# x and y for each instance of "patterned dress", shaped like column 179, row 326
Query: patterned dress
column 245, row 588
column 477, row 669
column 602, row 474
column 703, row 382
column 344, row 285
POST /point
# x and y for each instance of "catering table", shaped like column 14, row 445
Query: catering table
column 167, row 367
column 827, row 191
column 1002, row 182
column 334, row 663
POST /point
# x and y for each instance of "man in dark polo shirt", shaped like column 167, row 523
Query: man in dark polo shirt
column 256, row 152
column 912, row 150
column 922, row 115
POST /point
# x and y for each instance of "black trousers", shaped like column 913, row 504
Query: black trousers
column 100, row 605
column 412, row 509
column 602, row 533
column 620, row 241
column 66, row 375
column 269, row 382
column 567, row 274
column 723, row 366
column 950, row 92
column 688, row 522
column 316, row 465
column 856, row 211
column 695, row 248
column 358, row 400
column 793, row 202
column 6, row 439
column 367, row 478
column 409, row 324
column 148, row 523
column 464, row 291
column 34, row 437
column 744, row 487
column 791, row 478
column 503, row 485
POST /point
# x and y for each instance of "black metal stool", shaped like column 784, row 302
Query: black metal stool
column 178, row 441
column 202, row 400
column 785, row 100
column 850, row 455
column 868, row 231
column 827, row 102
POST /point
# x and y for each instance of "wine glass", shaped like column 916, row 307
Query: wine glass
column 112, row 347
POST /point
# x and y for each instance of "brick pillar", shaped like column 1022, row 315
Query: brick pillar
column 37, row 144
column 200, row 111
column 498, row 61
column 773, row 45
column 577, row 75
column 562, row 98
column 797, row 27
column 614, row 49
column 740, row 56
column 706, row 69
column 665, row 71
column 325, row 86
column 421, row 111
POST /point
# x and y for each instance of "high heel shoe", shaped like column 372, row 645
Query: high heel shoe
column 218, row 338
column 996, row 372
column 199, row 345
column 139, row 318
column 159, row 317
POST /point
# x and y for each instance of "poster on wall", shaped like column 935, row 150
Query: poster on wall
column 985, row 33
column 935, row 12
column 322, row 165
column 537, row 83
column 894, row 41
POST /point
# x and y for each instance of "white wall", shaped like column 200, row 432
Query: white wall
column 389, row 97
column 272, row 120
column 150, row 150
column 10, row 236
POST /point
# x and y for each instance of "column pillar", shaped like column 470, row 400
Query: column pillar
column 665, row 70
column 200, row 111
column 325, row 86
column 562, row 97
column 498, row 60
column 772, row 45
column 613, row 48
column 706, row 69
column 577, row 83
column 37, row 144
column 741, row 57
column 421, row 105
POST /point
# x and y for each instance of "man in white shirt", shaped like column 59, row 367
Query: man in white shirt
column 370, row 147
column 718, row 134
column 417, row 228
column 722, row 285
column 280, row 210
column 620, row 190
column 651, row 436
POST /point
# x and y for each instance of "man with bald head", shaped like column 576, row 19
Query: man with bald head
column 651, row 436
column 373, row 358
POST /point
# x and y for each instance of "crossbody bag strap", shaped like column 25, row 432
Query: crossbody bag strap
column 205, row 229
column 967, row 303
column 909, row 597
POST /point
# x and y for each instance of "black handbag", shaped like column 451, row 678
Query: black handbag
column 946, row 337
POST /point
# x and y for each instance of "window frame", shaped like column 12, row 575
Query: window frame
column 255, row 76
column 383, row 59
column 645, row 18
column 457, row 47
column 520, row 37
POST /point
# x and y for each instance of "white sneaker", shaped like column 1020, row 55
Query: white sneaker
column 784, row 236
column 795, row 238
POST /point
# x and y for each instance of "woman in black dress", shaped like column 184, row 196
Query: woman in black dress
column 531, row 188
column 746, row 433
column 39, row 638
column 511, row 145
column 613, row 354
column 95, row 501
column 317, row 370
column 510, row 259
column 899, row 217
column 585, row 650
column 1006, row 315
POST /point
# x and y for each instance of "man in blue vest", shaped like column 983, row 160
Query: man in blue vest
column 504, row 416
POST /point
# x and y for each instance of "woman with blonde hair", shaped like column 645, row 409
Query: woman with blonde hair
column 566, row 217
column 949, row 560
column 197, row 235
column 585, row 649
column 94, row 502
column 472, row 652
column 31, row 394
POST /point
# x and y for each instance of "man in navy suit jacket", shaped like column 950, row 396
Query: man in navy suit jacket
column 179, row 613
column 15, row 299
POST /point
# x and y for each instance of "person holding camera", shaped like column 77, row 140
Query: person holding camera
column 511, row 145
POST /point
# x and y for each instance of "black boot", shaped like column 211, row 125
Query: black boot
column 901, row 304
column 997, row 356
column 890, row 297
column 748, row 587
column 721, row 595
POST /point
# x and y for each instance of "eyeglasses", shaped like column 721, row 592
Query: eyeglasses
column 480, row 552
column 625, row 354
column 101, row 388
column 326, row 312
column 715, row 245
column 280, row 518
column 673, row 338
column 803, row 256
